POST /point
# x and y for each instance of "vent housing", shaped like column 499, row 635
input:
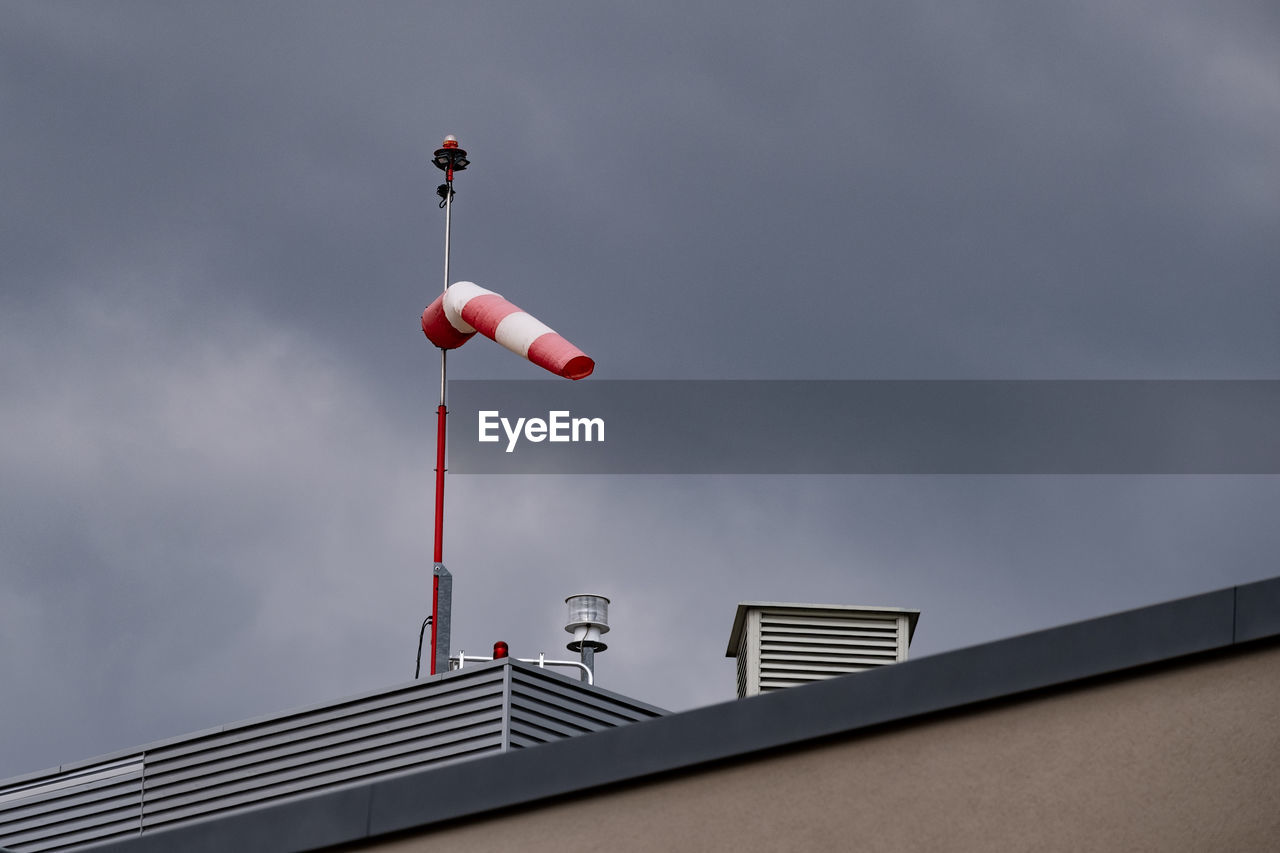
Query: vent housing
column 486, row 709
column 786, row 645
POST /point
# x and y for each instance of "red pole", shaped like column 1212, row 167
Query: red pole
column 441, row 414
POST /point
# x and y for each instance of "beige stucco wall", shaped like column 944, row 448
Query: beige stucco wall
column 1179, row 760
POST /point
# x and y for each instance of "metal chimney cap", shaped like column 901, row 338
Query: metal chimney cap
column 738, row 632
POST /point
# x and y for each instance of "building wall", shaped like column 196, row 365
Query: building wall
column 1180, row 759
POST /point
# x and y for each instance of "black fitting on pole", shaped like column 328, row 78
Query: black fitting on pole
column 449, row 158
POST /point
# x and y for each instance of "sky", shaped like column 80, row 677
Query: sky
column 219, row 226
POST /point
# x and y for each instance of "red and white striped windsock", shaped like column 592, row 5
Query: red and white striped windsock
column 466, row 308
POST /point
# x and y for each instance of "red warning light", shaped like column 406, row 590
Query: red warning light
column 499, row 650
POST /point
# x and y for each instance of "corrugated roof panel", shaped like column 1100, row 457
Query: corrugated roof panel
column 438, row 721
column 90, row 803
column 546, row 707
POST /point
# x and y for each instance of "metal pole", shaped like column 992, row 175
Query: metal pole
column 441, row 410
column 441, row 432
column 449, row 158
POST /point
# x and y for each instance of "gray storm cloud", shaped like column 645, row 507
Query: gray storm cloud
column 219, row 229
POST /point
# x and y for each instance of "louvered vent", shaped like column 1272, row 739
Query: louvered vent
column 485, row 709
column 785, row 645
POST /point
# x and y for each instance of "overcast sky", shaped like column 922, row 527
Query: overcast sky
column 219, row 227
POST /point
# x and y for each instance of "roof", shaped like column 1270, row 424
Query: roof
column 1116, row 645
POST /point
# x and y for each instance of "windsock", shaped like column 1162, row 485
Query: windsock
column 466, row 308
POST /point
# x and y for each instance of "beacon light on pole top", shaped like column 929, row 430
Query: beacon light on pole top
column 450, row 158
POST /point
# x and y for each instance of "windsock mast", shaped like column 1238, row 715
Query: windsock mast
column 459, row 312
column 449, row 158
